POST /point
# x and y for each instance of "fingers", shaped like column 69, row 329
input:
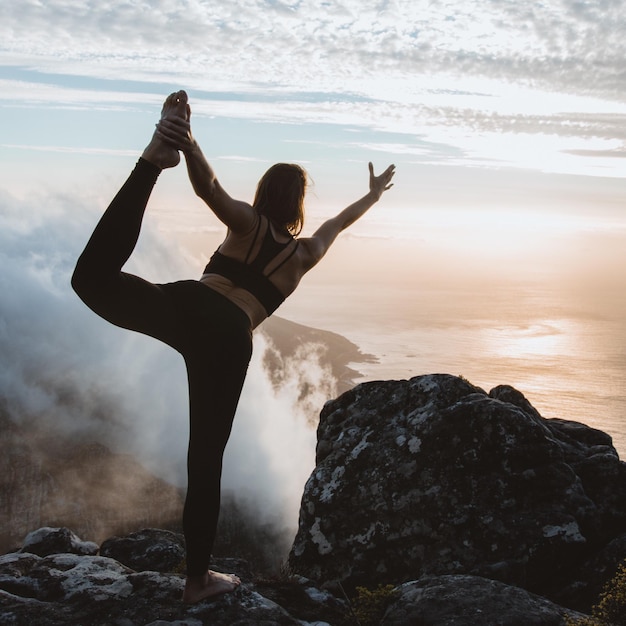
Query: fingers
column 388, row 173
column 169, row 130
column 168, row 140
column 168, row 133
column 174, row 133
column 176, row 122
column 381, row 183
column 175, row 127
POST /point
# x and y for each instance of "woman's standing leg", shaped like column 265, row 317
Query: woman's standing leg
column 216, row 369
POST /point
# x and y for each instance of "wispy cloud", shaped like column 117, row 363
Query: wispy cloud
column 71, row 150
column 576, row 47
column 434, row 70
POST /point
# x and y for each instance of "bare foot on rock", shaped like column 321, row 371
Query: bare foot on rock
column 157, row 151
column 211, row 585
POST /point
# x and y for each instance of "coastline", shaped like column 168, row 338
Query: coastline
column 339, row 354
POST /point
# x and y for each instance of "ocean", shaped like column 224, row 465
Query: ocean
column 551, row 322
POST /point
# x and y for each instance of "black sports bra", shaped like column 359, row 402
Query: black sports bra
column 253, row 274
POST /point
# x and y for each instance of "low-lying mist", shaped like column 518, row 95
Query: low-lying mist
column 77, row 379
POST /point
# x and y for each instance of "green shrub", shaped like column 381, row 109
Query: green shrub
column 369, row 605
column 611, row 607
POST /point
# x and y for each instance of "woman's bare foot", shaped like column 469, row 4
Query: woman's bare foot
column 157, row 151
column 211, row 585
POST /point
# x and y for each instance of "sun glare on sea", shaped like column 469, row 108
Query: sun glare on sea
column 544, row 338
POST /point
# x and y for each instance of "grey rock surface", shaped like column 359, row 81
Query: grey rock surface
column 45, row 541
column 476, row 508
column 148, row 549
column 433, row 476
column 65, row 588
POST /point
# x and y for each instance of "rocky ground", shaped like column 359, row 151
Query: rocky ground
column 57, row 579
column 471, row 507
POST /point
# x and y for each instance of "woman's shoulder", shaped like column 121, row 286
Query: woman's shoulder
column 252, row 227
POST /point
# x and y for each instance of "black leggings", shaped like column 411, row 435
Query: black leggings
column 211, row 333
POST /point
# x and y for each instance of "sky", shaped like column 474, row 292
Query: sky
column 462, row 96
column 506, row 121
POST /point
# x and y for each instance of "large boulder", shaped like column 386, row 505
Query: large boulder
column 469, row 601
column 47, row 540
column 433, row 476
column 150, row 549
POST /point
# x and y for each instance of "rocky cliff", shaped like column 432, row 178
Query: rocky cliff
column 433, row 476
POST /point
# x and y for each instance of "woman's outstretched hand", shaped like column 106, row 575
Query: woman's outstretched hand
column 382, row 182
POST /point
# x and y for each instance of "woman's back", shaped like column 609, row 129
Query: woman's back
column 258, row 269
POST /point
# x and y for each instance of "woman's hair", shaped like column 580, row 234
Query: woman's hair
column 280, row 196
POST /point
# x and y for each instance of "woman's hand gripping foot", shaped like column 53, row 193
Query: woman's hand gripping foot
column 159, row 152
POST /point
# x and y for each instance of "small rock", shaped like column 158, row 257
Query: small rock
column 47, row 541
column 150, row 549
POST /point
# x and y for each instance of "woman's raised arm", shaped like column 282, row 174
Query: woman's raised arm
column 317, row 245
column 239, row 216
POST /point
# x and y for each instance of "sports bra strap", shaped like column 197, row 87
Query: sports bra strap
column 268, row 255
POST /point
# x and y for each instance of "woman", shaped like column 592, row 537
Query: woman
column 209, row 321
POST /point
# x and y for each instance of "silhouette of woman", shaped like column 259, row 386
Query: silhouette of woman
column 208, row 321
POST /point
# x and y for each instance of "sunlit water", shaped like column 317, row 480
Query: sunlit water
column 587, row 384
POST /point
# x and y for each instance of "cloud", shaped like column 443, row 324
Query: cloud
column 443, row 72
column 61, row 365
column 68, row 371
column 611, row 153
column 46, row 92
column 71, row 150
column 338, row 46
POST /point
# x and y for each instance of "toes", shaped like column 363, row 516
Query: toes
column 182, row 106
column 176, row 101
column 170, row 101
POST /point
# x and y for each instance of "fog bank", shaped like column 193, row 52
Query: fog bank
column 65, row 370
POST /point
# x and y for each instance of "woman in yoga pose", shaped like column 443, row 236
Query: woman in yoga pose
column 208, row 321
